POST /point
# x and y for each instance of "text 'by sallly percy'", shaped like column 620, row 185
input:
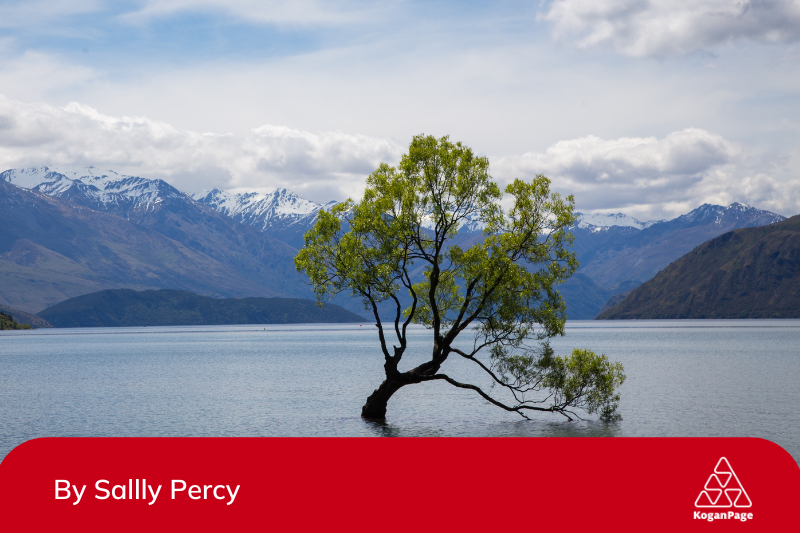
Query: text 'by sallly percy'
column 139, row 489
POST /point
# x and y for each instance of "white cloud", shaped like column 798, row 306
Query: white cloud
column 16, row 13
column 672, row 27
column 656, row 178
column 35, row 74
column 320, row 166
column 646, row 177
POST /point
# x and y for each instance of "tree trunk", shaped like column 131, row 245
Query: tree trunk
column 375, row 408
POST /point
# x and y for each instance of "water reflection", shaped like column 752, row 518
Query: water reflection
column 520, row 428
column 381, row 428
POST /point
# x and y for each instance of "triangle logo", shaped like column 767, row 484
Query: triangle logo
column 723, row 489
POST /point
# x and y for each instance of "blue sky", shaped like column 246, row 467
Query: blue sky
column 649, row 107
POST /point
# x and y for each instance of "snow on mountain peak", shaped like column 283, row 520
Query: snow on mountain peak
column 109, row 190
column 218, row 199
column 600, row 220
column 278, row 208
column 98, row 187
column 736, row 211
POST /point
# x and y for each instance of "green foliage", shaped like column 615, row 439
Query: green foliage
column 397, row 245
column 585, row 380
column 8, row 322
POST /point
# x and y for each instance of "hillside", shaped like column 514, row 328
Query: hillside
column 124, row 307
column 24, row 318
column 746, row 273
column 584, row 297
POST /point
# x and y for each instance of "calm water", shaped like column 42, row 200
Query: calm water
column 685, row 378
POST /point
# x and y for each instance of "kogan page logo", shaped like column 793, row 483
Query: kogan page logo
column 723, row 490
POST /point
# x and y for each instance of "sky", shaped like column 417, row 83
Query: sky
column 650, row 108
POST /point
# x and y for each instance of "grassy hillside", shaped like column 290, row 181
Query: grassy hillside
column 125, row 307
column 746, row 273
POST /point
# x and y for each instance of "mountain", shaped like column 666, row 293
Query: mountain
column 599, row 222
column 746, row 273
column 156, row 205
column 618, row 252
column 99, row 190
column 624, row 254
column 24, row 318
column 256, row 235
column 280, row 213
column 123, row 307
column 52, row 249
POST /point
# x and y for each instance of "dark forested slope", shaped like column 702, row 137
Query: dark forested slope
column 125, row 307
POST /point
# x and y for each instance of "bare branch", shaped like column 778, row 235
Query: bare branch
column 519, row 409
column 379, row 324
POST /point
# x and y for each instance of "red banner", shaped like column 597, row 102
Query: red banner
column 284, row 484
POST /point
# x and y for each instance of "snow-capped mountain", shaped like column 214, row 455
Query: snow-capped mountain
column 281, row 212
column 615, row 255
column 101, row 190
column 741, row 215
column 588, row 221
column 279, row 208
column 599, row 221
column 736, row 215
column 472, row 225
column 288, row 216
column 246, row 242
column 135, row 233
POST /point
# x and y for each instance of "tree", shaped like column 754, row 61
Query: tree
column 7, row 322
column 501, row 290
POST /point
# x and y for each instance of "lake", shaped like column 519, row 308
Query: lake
column 729, row 378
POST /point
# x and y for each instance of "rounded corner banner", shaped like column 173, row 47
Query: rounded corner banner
column 404, row 484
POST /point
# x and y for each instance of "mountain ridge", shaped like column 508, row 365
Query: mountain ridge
column 52, row 249
column 624, row 255
column 745, row 273
column 281, row 212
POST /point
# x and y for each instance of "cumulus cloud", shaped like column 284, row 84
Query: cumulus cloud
column 646, row 177
column 671, row 27
column 320, row 166
column 656, row 178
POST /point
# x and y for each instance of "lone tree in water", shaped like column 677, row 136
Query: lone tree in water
column 397, row 245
